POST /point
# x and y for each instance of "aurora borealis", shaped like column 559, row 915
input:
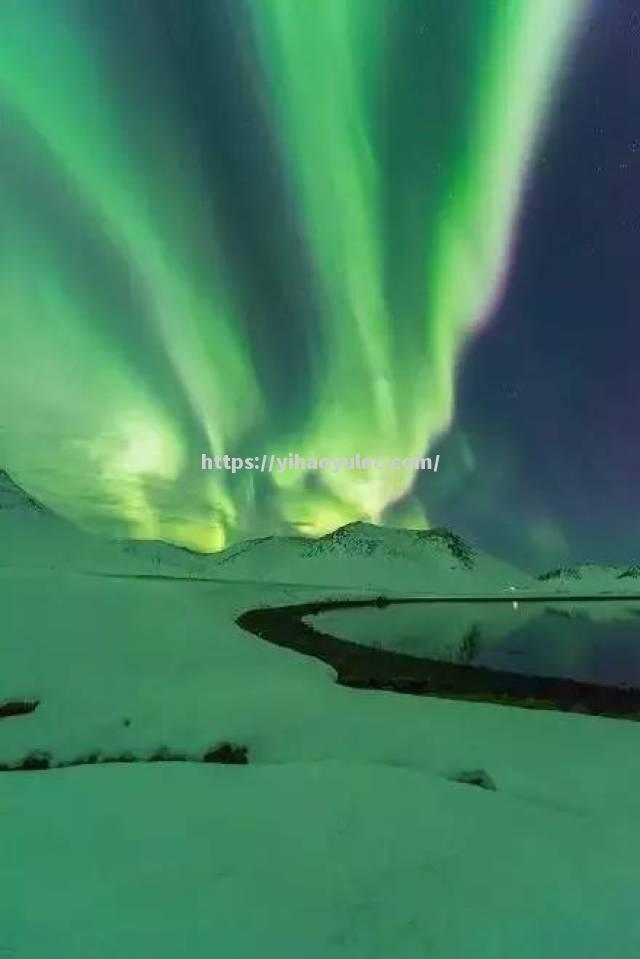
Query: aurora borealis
column 260, row 225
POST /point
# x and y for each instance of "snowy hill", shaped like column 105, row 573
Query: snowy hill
column 31, row 535
column 592, row 579
column 361, row 555
column 13, row 497
column 357, row 556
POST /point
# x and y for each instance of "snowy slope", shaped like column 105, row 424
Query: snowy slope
column 592, row 579
column 306, row 861
column 345, row 836
column 169, row 657
column 33, row 536
column 373, row 557
column 357, row 556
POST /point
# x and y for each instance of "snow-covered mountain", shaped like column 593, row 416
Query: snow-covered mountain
column 362, row 555
column 592, row 579
column 33, row 536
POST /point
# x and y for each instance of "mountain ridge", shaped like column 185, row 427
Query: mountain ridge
column 359, row 555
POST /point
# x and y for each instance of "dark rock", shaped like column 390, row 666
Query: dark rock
column 36, row 760
column 476, row 777
column 227, row 753
column 18, row 707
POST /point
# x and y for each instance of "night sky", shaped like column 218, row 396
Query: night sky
column 548, row 398
column 375, row 226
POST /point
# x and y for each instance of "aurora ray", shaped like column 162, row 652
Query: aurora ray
column 129, row 296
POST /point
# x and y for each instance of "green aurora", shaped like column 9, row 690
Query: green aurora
column 268, row 225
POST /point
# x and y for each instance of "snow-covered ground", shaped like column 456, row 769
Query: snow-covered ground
column 345, row 837
column 321, row 860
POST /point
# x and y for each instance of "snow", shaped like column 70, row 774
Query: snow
column 361, row 555
column 321, row 860
column 344, row 838
column 591, row 579
column 345, row 834
column 33, row 537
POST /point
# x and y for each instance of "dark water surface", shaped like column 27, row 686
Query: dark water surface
column 589, row 641
column 580, row 655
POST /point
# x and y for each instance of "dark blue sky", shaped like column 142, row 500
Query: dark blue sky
column 549, row 395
